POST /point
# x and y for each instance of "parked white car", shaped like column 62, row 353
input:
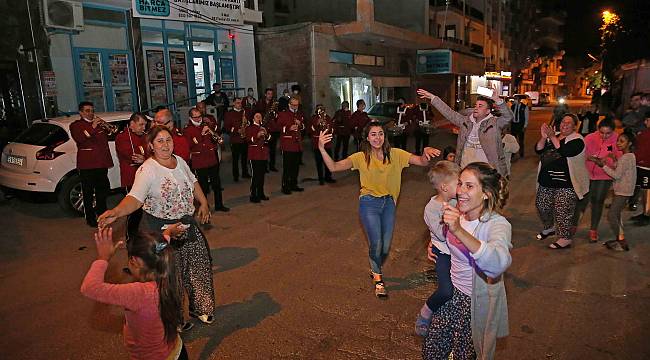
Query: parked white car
column 43, row 158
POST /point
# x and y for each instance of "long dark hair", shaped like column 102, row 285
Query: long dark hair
column 158, row 258
column 366, row 148
column 494, row 185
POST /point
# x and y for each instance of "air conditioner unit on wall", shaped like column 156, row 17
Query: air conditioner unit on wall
column 63, row 14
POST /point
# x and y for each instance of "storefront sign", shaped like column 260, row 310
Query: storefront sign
column 208, row 11
column 434, row 61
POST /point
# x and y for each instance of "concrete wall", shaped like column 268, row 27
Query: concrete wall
column 245, row 54
column 411, row 15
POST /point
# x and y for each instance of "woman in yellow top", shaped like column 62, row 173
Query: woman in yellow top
column 380, row 172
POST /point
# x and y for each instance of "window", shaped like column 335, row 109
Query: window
column 450, row 31
column 152, row 37
column 42, row 134
column 175, row 39
column 203, row 45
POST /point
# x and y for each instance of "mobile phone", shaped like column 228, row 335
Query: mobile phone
column 482, row 90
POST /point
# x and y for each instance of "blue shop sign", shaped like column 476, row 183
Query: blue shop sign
column 434, row 61
column 152, row 7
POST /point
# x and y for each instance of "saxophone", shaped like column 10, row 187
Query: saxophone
column 243, row 125
column 322, row 120
column 271, row 113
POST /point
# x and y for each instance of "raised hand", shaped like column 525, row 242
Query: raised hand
column 323, row 138
column 425, row 94
column 104, row 244
column 429, row 153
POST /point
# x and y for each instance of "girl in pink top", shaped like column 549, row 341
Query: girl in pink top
column 152, row 303
column 599, row 146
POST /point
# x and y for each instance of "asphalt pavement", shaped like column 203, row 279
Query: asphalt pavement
column 291, row 279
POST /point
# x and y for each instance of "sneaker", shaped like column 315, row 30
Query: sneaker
column 617, row 245
column 593, row 236
column 206, row 319
column 422, row 326
column 380, row 289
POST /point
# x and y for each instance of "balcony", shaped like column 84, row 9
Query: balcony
column 457, row 5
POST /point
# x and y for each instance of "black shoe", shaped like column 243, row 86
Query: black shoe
column 254, row 199
column 221, row 208
column 330, row 181
column 641, row 216
column 286, row 191
column 297, row 189
column 274, row 169
column 264, row 197
column 246, row 176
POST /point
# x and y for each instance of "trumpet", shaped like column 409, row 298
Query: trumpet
column 110, row 129
column 213, row 134
column 322, row 119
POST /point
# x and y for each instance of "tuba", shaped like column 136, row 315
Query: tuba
column 243, row 125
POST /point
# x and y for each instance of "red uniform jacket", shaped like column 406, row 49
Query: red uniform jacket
column 342, row 123
column 291, row 140
column 232, row 123
column 92, row 146
column 257, row 148
column 202, row 148
column 314, row 130
column 128, row 143
column 359, row 120
column 181, row 147
column 262, row 107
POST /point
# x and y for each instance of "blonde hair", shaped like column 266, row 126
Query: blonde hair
column 442, row 171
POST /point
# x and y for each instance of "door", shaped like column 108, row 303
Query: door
column 205, row 74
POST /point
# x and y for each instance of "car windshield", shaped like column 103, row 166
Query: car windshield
column 383, row 109
column 42, row 134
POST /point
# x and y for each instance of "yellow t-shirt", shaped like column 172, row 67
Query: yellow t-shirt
column 381, row 179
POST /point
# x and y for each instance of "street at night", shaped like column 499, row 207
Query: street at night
column 291, row 280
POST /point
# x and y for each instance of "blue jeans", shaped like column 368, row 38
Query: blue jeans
column 378, row 218
column 445, row 289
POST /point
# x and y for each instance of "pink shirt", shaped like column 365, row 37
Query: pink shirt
column 596, row 146
column 144, row 335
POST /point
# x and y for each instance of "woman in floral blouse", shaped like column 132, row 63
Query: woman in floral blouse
column 165, row 188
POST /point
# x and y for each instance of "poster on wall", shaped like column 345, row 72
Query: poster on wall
column 158, row 93
column 118, row 63
column 96, row 96
column 179, row 91
column 215, row 11
column 123, row 99
column 178, row 66
column 48, row 79
column 156, row 65
column 227, row 69
column 91, row 70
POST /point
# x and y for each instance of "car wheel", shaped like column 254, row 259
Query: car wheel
column 70, row 197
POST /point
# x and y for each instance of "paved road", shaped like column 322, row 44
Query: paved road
column 291, row 281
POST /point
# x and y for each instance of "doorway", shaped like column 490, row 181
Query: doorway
column 205, row 74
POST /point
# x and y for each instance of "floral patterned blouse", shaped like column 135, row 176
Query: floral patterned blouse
column 165, row 193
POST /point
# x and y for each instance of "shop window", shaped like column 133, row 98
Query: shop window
column 203, row 45
column 175, row 39
column 152, row 37
column 341, row 57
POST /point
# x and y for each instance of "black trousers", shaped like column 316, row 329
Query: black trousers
column 320, row 165
column 399, row 141
column 95, row 186
column 257, row 182
column 273, row 145
column 132, row 220
column 290, row 168
column 341, row 147
column 239, row 155
column 421, row 141
column 209, row 178
column 519, row 133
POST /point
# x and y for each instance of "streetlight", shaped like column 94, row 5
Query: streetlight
column 608, row 30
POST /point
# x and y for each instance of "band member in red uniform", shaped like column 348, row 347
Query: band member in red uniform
column 249, row 103
column 359, row 120
column 130, row 146
column 343, row 129
column 203, row 157
column 321, row 122
column 93, row 160
column 209, row 120
column 268, row 107
column 258, row 154
column 165, row 118
column 421, row 118
column 235, row 124
column 291, row 123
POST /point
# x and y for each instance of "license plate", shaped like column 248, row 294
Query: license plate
column 16, row 160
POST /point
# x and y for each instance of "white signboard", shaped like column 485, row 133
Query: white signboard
column 229, row 12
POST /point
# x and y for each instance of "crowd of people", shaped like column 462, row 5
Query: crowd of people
column 167, row 173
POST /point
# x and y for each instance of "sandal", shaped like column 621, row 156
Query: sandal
column 556, row 246
column 206, row 319
column 422, row 326
column 380, row 289
column 541, row 235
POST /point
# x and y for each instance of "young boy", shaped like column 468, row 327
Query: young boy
column 444, row 178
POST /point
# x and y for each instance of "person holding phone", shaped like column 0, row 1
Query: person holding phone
column 599, row 146
column 479, row 137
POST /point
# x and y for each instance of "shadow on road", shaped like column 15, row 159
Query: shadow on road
column 232, row 317
column 229, row 258
column 411, row 281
